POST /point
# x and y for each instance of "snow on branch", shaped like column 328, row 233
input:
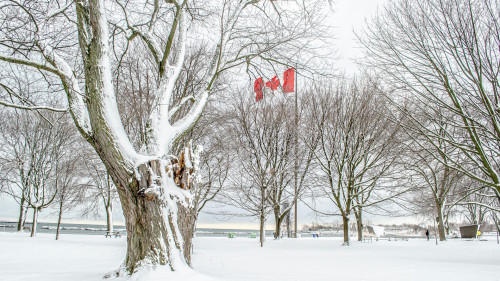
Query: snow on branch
column 18, row 106
column 30, row 63
column 176, row 108
column 185, row 123
column 172, row 72
column 76, row 104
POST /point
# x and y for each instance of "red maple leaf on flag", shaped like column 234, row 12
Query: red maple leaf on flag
column 273, row 84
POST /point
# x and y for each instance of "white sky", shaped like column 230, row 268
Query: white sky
column 348, row 15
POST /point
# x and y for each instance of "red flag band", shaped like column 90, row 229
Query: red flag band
column 273, row 84
column 257, row 88
column 289, row 80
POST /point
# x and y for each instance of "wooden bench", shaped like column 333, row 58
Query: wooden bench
column 111, row 233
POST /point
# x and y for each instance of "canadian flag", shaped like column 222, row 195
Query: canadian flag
column 288, row 84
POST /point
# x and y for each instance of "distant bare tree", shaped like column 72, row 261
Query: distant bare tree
column 213, row 176
column 69, row 181
column 435, row 184
column 263, row 140
column 358, row 144
column 100, row 191
column 32, row 150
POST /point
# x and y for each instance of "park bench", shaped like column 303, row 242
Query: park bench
column 402, row 238
column 111, row 233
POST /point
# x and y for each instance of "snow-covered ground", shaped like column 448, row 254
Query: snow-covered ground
column 86, row 257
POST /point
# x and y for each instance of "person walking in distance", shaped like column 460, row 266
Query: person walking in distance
column 427, row 234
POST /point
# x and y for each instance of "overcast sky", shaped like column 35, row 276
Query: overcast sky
column 348, row 15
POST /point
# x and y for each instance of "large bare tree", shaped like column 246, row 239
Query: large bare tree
column 46, row 36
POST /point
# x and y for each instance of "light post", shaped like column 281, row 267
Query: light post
column 296, row 150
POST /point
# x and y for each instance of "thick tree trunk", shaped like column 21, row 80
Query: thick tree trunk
column 345, row 221
column 158, row 221
column 35, row 221
column 156, row 235
column 20, row 223
column 156, row 210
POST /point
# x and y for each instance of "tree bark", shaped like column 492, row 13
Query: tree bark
column 25, row 216
column 262, row 221
column 277, row 232
column 156, row 210
column 159, row 227
column 441, row 228
column 278, row 219
column 35, row 221
column 345, row 221
column 447, row 225
column 359, row 223
column 20, row 223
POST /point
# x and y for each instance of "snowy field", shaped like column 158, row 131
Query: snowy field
column 86, row 257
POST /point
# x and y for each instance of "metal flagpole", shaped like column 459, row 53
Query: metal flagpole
column 296, row 152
